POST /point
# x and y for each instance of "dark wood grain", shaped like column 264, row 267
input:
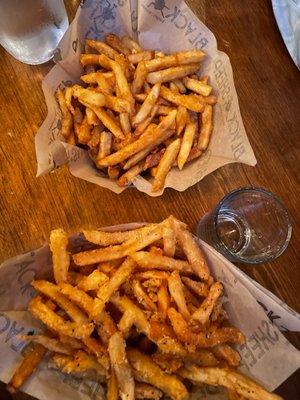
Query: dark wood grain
column 268, row 86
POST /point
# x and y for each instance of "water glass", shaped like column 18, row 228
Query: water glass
column 249, row 225
column 30, row 30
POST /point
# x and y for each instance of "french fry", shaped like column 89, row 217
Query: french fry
column 200, row 288
column 181, row 119
column 122, row 83
column 180, row 85
column 145, row 391
column 169, row 241
column 147, row 260
column 147, row 106
column 227, row 353
column 112, row 387
column 78, row 296
column 141, row 127
column 121, row 366
column 139, row 78
column 102, row 47
column 94, row 347
column 184, row 57
column 135, row 58
column 68, row 98
column 176, row 291
column 105, row 143
column 190, row 247
column 125, row 125
column 49, row 343
column 142, row 296
column 203, row 313
column 206, row 128
column 83, row 131
column 115, row 42
column 186, row 143
column 130, row 174
column 108, row 238
column 60, row 255
column 153, row 159
column 163, row 300
column 108, row 122
column 203, row 339
column 95, row 59
column 27, row 367
column 92, row 281
column 230, row 379
column 130, row 43
column 91, row 117
column 152, row 274
column 100, row 77
column 167, row 362
column 57, row 323
column 53, row 292
column 190, row 101
column 67, row 120
column 109, row 288
column 169, row 74
column 165, row 165
column 197, row 86
column 149, row 372
column 145, row 140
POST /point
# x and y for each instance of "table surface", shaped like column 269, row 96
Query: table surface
column 268, row 87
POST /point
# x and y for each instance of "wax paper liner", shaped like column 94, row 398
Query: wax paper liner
column 166, row 25
column 267, row 356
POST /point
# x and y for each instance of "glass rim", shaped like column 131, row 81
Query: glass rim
column 278, row 200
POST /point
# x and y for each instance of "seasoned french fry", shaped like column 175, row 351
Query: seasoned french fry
column 190, row 247
column 206, row 128
column 227, row 353
column 95, row 59
column 200, row 288
column 190, row 101
column 169, row 74
column 145, row 391
column 112, row 387
column 92, row 281
column 83, row 131
column 49, row 343
column 67, row 120
column 94, row 347
column 122, row 83
column 163, row 300
column 186, row 143
column 27, row 367
column 139, row 78
column 142, row 296
column 102, row 47
column 121, row 366
column 197, row 86
column 135, row 58
column 99, row 78
column 149, row 260
column 68, row 98
column 147, row 106
column 149, row 372
column 78, row 296
column 180, row 85
column 125, row 125
column 91, row 117
column 176, row 290
column 60, row 255
column 203, row 313
column 115, row 42
column 53, row 292
column 108, row 122
column 184, row 57
column 141, row 127
column 131, row 44
column 145, row 140
column 57, row 323
column 181, row 119
column 130, row 174
column 109, row 288
column 165, row 165
column 230, row 379
column 104, row 145
column 152, row 274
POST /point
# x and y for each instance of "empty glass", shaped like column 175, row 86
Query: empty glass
column 30, row 30
column 249, row 225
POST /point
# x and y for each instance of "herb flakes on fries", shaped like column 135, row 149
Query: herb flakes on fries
column 129, row 90
column 140, row 313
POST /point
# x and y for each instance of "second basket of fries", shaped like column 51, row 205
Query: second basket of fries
column 153, row 108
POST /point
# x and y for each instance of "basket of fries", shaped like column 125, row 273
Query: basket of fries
column 134, row 107
column 137, row 312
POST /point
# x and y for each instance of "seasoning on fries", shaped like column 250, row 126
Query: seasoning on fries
column 139, row 312
column 125, row 91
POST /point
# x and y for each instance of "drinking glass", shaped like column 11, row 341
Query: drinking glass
column 30, row 30
column 249, row 225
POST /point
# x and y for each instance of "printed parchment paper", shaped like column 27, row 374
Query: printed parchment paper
column 159, row 24
column 267, row 356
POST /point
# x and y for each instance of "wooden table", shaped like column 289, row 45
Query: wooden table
column 268, row 86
